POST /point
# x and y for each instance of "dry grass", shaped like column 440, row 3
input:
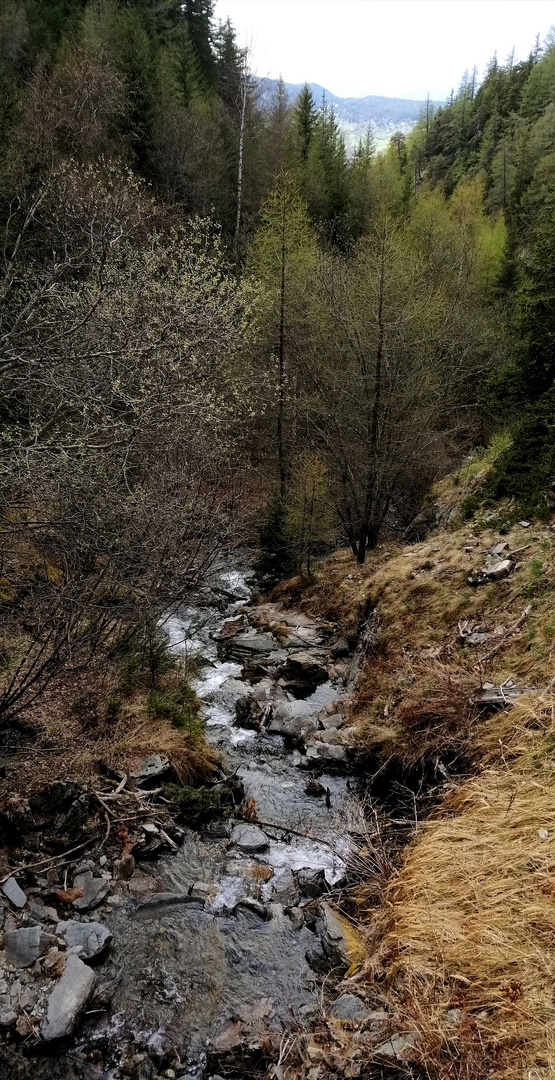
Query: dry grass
column 469, row 922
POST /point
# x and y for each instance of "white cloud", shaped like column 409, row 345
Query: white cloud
column 398, row 48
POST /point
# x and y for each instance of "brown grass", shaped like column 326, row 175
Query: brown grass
column 469, row 922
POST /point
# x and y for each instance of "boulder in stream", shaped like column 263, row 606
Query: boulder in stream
column 304, row 669
column 249, row 838
column 325, row 756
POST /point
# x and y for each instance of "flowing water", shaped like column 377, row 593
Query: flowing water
column 225, row 945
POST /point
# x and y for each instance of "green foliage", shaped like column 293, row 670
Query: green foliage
column 180, row 706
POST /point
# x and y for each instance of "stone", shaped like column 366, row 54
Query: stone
column 95, row 890
column 226, row 1040
column 142, row 885
column 296, row 916
column 249, row 643
column 299, row 729
column 524, row 524
column 500, row 569
column 398, row 1046
column 249, row 838
column 325, row 755
column 283, row 888
column 248, row 713
column 340, row 941
column 68, row 999
column 24, row 946
column 154, row 765
column 54, row 962
column 498, row 549
column 475, row 639
column 15, row 895
column 91, row 938
column 303, row 667
column 8, row 1018
column 331, row 722
column 124, row 868
column 312, row 882
column 349, row 1007
column 24, row 1026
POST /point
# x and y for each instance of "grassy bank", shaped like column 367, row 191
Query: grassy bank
column 461, row 938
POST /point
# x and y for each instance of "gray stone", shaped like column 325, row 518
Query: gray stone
column 498, row 549
column 15, row 895
column 8, row 1018
column 91, row 938
column 151, row 766
column 334, row 941
column 304, row 667
column 68, row 999
column 398, row 1046
column 249, row 838
column 250, row 643
column 325, row 755
column 312, row 882
column 475, row 639
column 283, row 888
column 95, row 890
column 331, row 722
column 25, row 946
column 300, row 728
column 500, row 569
column 524, row 524
column 349, row 1007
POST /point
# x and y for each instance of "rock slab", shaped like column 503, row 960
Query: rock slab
column 24, row 946
column 95, row 890
column 91, row 938
column 68, row 999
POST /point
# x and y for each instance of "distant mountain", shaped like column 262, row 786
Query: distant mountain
column 386, row 115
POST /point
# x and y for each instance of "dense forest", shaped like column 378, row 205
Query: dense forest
column 211, row 318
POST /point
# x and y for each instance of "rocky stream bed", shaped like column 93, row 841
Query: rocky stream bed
column 192, row 965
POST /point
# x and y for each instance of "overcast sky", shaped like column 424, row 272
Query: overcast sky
column 398, row 48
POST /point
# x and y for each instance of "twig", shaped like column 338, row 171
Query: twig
column 50, row 858
column 108, row 826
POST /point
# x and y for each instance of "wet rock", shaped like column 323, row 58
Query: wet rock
column 24, row 946
column 68, row 999
column 12, row 891
column 312, row 882
column 248, row 713
column 314, row 787
column 95, row 890
column 299, row 729
column 152, row 767
column 249, row 838
column 124, row 868
column 349, row 1007
column 398, row 1046
column 283, row 888
column 324, row 755
column 142, row 885
column 91, row 938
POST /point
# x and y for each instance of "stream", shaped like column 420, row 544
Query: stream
column 232, row 946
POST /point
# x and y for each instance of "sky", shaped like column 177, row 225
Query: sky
column 395, row 48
